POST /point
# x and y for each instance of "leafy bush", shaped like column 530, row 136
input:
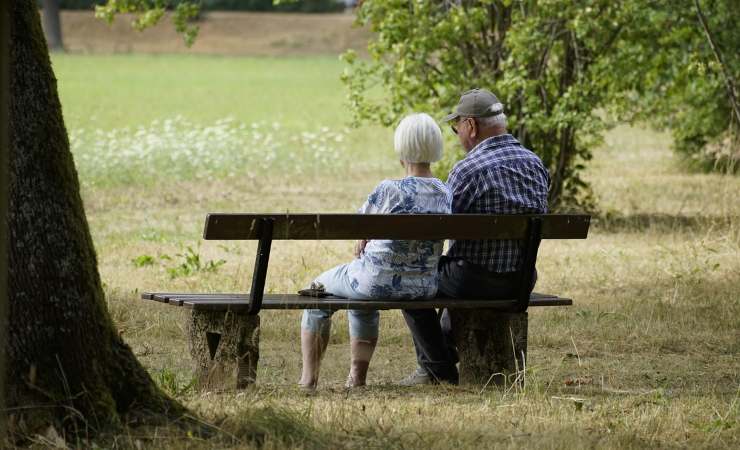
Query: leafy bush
column 191, row 263
column 682, row 85
column 559, row 67
column 168, row 381
column 548, row 62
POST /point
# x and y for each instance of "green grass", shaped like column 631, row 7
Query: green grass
column 653, row 335
column 138, row 119
column 123, row 91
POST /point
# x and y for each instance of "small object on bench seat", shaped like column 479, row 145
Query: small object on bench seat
column 491, row 335
column 316, row 290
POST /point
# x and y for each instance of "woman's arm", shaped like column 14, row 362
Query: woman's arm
column 360, row 247
column 372, row 205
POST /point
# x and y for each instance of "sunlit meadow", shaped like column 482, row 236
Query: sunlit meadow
column 177, row 149
column 647, row 357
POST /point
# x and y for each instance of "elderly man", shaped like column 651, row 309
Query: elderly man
column 497, row 176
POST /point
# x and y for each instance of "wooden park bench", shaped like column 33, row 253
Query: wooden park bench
column 491, row 335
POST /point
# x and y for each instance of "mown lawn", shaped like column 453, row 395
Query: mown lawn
column 647, row 356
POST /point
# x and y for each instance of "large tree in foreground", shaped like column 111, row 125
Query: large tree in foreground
column 66, row 365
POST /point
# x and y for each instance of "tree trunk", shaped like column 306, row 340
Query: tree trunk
column 225, row 349
column 4, row 116
column 491, row 345
column 53, row 25
column 66, row 364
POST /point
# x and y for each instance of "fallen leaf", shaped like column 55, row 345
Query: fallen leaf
column 579, row 381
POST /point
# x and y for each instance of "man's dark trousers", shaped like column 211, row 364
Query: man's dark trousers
column 432, row 334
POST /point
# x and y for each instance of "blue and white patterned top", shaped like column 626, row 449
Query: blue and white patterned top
column 398, row 268
column 498, row 176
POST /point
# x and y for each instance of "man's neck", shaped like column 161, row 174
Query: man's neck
column 489, row 133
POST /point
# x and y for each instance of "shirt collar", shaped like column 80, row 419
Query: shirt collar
column 494, row 142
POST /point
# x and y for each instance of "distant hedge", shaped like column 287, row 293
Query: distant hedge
column 307, row 6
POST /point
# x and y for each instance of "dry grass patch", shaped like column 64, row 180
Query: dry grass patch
column 647, row 356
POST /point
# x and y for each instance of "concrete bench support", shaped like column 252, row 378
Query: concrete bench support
column 492, row 346
column 225, row 349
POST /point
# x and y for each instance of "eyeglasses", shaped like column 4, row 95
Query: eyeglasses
column 454, row 127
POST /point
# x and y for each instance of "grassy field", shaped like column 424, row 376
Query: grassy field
column 647, row 357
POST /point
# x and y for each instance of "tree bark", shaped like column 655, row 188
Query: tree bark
column 225, row 349
column 491, row 345
column 4, row 116
column 566, row 146
column 66, row 365
column 53, row 25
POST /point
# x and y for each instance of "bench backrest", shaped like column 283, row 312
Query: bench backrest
column 392, row 226
column 530, row 229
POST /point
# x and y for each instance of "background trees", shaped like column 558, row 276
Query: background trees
column 686, row 83
column 559, row 67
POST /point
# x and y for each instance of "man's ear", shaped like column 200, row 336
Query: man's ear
column 403, row 164
column 473, row 129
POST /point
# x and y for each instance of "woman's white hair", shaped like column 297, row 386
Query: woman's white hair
column 418, row 139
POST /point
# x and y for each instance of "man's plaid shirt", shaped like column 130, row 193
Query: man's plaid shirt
column 498, row 176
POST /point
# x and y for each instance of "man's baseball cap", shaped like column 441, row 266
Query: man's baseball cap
column 477, row 103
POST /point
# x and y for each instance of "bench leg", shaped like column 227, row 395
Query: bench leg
column 492, row 346
column 225, row 349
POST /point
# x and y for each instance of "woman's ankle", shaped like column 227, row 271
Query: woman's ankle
column 312, row 349
column 358, row 374
column 308, row 381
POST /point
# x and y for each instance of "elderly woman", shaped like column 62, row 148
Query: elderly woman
column 384, row 269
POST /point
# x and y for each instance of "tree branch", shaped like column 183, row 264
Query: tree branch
column 729, row 80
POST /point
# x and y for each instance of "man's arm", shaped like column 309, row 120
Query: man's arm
column 464, row 188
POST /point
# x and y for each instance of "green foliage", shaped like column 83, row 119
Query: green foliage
column 168, row 382
column 190, row 263
column 150, row 12
column 681, row 85
column 143, row 261
column 557, row 66
column 546, row 61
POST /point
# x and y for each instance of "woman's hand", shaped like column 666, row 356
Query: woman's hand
column 360, row 247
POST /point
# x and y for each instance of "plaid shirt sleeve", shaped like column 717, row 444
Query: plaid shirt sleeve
column 463, row 186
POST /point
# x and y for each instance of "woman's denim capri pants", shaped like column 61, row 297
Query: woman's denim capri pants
column 363, row 324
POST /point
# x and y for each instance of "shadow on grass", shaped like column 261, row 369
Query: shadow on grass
column 276, row 426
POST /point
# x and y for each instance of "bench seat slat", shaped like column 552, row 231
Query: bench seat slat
column 167, row 297
column 236, row 302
